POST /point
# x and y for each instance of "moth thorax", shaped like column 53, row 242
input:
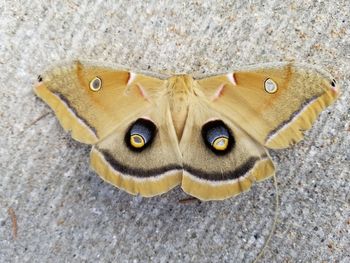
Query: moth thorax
column 179, row 109
column 178, row 97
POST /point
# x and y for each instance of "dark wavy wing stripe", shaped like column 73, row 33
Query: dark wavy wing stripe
column 291, row 118
column 217, row 176
column 65, row 101
column 137, row 172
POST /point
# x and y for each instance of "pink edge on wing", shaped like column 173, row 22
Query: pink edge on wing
column 231, row 78
column 142, row 91
column 218, row 92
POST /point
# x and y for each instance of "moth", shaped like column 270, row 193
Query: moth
column 210, row 136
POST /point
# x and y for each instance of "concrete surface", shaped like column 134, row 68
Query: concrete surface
column 65, row 213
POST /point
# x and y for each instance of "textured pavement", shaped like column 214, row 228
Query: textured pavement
column 53, row 208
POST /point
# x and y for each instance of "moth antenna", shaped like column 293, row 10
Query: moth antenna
column 13, row 216
column 275, row 218
column 34, row 122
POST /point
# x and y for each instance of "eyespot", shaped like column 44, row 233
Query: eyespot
column 217, row 137
column 95, row 84
column 270, row 86
column 220, row 143
column 140, row 134
column 137, row 141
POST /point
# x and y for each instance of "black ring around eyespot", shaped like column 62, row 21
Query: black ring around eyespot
column 144, row 129
column 218, row 127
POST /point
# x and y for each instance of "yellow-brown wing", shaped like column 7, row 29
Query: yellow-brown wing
column 127, row 118
column 141, row 156
column 220, row 160
column 91, row 112
column 275, row 104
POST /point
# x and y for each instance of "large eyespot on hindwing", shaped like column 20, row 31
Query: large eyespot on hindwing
column 218, row 137
column 140, row 135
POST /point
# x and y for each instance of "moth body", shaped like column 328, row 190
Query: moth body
column 210, row 136
column 179, row 92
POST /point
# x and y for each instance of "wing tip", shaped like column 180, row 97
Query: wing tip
column 292, row 131
column 70, row 121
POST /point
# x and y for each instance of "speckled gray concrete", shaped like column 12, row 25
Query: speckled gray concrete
column 65, row 213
